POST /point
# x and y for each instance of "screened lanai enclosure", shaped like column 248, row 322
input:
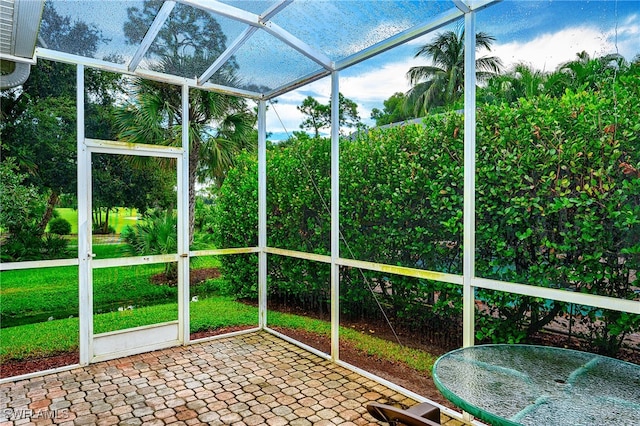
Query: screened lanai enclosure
column 486, row 221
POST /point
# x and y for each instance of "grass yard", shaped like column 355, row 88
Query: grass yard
column 52, row 337
column 121, row 217
column 35, row 295
column 58, row 336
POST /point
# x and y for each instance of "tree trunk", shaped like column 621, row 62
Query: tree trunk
column 48, row 213
column 105, row 225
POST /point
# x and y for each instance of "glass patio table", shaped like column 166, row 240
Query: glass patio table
column 538, row 385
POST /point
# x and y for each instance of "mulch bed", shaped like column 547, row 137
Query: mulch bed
column 31, row 365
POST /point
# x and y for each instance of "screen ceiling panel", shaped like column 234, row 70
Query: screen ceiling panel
column 254, row 48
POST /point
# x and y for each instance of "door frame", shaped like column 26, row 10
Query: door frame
column 99, row 347
column 146, row 338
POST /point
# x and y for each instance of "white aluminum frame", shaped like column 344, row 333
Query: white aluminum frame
column 469, row 208
column 335, row 216
column 85, row 251
column 119, row 343
column 262, row 214
column 152, row 32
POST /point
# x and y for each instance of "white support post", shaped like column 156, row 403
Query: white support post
column 262, row 214
column 85, row 275
column 469, row 244
column 335, row 216
column 183, row 225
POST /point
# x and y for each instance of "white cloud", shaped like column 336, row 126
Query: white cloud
column 547, row 51
column 287, row 112
column 379, row 83
column 368, row 90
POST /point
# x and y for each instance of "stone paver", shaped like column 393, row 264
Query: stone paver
column 250, row 379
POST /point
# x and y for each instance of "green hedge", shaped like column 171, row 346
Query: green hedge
column 558, row 205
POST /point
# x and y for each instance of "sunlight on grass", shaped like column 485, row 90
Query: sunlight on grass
column 119, row 218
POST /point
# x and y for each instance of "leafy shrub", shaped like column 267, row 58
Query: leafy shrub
column 558, row 205
column 237, row 227
column 29, row 245
column 204, row 215
column 59, row 226
column 156, row 233
column 100, row 229
column 22, row 206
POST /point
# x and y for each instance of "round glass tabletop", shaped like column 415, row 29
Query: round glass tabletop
column 538, row 385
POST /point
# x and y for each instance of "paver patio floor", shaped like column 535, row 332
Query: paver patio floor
column 247, row 379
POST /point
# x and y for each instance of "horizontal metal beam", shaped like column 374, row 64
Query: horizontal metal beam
column 225, row 251
column 303, row 81
column 401, row 270
column 132, row 261
column 20, row 59
column 32, row 264
column 299, row 254
column 54, row 55
column 126, row 148
column 586, row 299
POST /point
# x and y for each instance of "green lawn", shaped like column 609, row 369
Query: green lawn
column 51, row 337
column 35, row 295
column 58, row 336
column 119, row 218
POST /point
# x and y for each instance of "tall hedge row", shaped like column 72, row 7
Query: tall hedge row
column 558, row 205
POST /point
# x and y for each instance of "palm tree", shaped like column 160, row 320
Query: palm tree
column 523, row 81
column 441, row 84
column 220, row 126
column 591, row 73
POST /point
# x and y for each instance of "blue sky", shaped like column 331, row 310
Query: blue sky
column 541, row 33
